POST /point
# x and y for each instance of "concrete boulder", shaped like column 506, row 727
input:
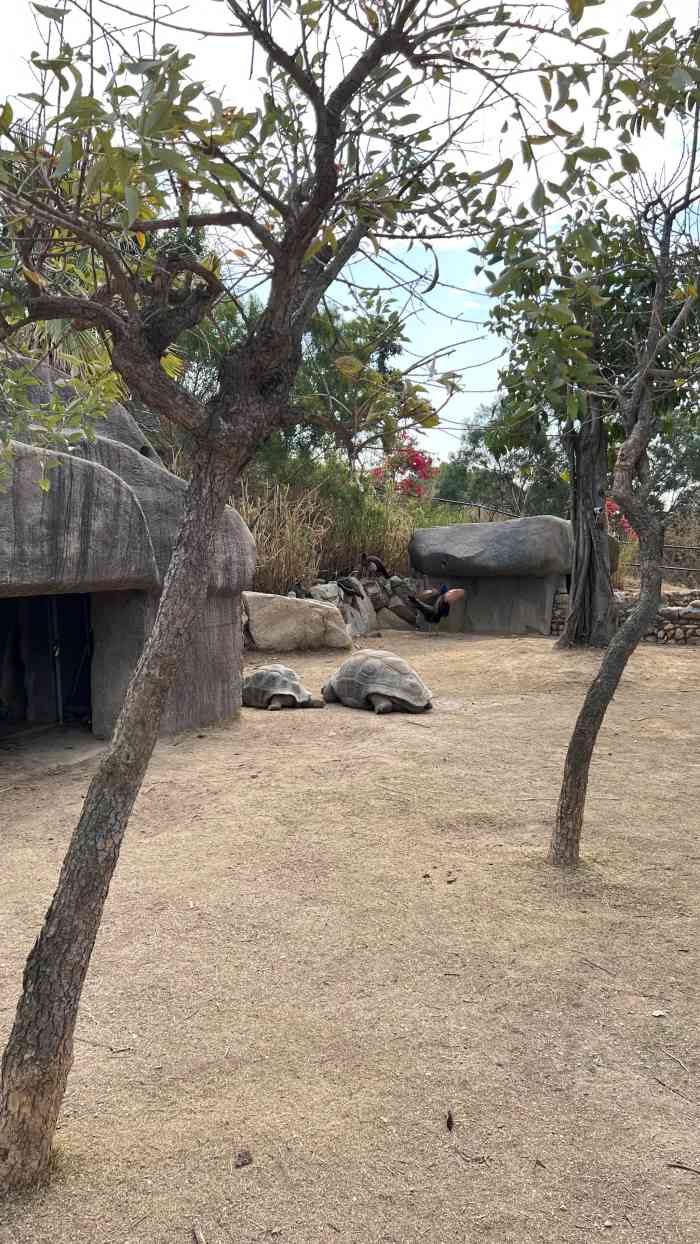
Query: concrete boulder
column 287, row 624
column 535, row 547
column 510, row 571
column 81, row 572
column 88, row 533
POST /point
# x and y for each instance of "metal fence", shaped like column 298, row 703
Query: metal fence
column 486, row 513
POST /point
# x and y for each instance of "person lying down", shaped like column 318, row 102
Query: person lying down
column 435, row 605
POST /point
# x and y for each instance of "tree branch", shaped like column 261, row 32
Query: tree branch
column 64, row 307
column 266, row 195
column 24, row 204
column 320, row 281
column 230, row 217
column 307, row 85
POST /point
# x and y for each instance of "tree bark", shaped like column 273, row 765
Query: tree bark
column 591, row 617
column 565, row 843
column 39, row 1054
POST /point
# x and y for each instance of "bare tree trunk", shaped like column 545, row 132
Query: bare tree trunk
column 566, row 838
column 591, row 618
column 39, row 1053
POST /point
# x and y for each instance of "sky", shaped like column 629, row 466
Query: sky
column 455, row 318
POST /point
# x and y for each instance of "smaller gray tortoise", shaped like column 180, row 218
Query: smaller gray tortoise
column 378, row 680
column 275, row 686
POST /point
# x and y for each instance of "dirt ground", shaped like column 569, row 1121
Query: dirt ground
column 328, row 929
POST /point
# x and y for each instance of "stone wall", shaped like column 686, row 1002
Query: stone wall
column 560, row 609
column 677, row 621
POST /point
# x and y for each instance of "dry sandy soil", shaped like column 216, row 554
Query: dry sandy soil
column 328, row 929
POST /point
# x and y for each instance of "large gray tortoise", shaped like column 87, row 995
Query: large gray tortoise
column 276, row 686
column 378, row 680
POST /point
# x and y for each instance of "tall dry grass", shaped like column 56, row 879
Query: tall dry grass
column 322, row 532
column 288, row 529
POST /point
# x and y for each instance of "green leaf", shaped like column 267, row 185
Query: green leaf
column 133, row 203
column 572, row 406
column 505, row 171
column 576, row 8
column 538, row 199
column 660, row 31
column 155, row 117
column 592, row 155
column 65, row 159
column 349, row 366
column 629, row 162
column 141, row 67
column 647, row 8
column 48, row 10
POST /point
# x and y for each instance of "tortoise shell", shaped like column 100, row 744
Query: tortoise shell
column 269, row 680
column 375, row 672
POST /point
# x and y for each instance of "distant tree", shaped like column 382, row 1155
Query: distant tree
column 520, row 479
column 349, row 399
column 348, row 387
column 675, row 463
column 603, row 313
column 576, row 307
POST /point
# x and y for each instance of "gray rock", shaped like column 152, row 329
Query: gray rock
column 286, row 624
column 678, row 612
column 533, row 547
column 119, row 425
column 328, row 592
column 404, row 609
column 390, row 621
column 358, row 612
column 375, row 593
column 402, row 587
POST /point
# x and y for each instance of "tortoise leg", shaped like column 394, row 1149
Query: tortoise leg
column 314, row 703
column 329, row 694
column 280, row 701
column 381, row 703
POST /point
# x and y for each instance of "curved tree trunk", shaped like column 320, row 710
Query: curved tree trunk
column 39, row 1053
column 591, row 617
column 565, row 843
